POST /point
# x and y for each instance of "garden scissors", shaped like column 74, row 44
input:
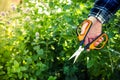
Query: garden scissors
column 81, row 38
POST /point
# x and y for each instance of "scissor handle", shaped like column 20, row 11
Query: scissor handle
column 78, row 30
column 92, row 44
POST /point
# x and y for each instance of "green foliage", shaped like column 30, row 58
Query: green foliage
column 38, row 38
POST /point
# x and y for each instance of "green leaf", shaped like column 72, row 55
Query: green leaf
column 71, row 77
column 23, row 68
column 66, row 7
column 25, row 75
column 40, row 52
column 66, row 70
column 16, row 64
column 51, row 4
column 29, row 60
column 111, row 35
column 20, row 75
column 35, row 57
column 36, row 48
column 90, row 63
column 38, row 73
column 2, row 72
column 52, row 78
column 1, row 67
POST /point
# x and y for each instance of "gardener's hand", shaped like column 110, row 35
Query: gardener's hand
column 96, row 30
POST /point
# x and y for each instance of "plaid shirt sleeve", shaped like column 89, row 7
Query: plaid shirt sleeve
column 104, row 9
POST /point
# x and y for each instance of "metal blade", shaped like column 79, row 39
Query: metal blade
column 78, row 52
column 73, row 55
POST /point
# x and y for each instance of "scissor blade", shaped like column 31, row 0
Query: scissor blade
column 76, row 56
column 72, row 56
column 78, row 52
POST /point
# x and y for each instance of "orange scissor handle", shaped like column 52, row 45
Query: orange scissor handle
column 103, row 35
column 81, row 36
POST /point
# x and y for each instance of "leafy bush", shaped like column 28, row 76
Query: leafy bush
column 38, row 38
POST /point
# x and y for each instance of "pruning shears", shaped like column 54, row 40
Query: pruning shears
column 81, row 38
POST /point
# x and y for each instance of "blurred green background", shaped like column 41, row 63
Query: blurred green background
column 37, row 37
